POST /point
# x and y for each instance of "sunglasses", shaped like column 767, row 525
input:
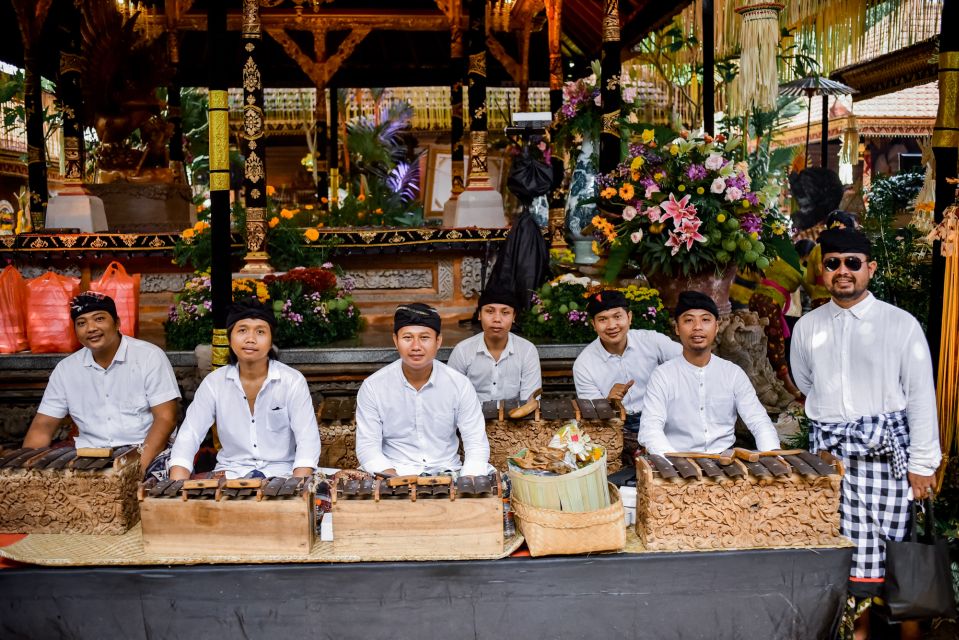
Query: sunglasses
column 852, row 263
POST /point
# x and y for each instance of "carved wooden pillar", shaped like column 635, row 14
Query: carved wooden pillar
column 945, row 148
column 479, row 134
column 554, row 13
column 257, row 260
column 611, row 67
column 523, row 81
column 458, row 69
column 71, row 99
column 219, row 152
column 709, row 67
column 333, row 150
column 174, row 114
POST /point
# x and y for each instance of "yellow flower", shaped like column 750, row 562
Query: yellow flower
column 754, row 235
column 637, row 163
column 648, row 135
column 273, row 221
column 659, row 176
column 286, row 214
column 201, row 226
column 309, row 207
column 681, row 188
column 270, row 190
column 199, row 208
column 656, row 227
column 187, row 233
column 745, row 203
column 700, row 190
column 721, row 217
column 312, row 235
column 626, row 192
column 595, row 247
column 674, row 150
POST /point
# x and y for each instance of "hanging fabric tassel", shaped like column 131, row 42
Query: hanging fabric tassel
column 849, row 152
column 948, row 375
column 758, row 67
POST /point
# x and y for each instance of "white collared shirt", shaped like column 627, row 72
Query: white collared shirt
column 280, row 436
column 596, row 370
column 515, row 375
column 690, row 408
column 415, row 431
column 111, row 407
column 865, row 361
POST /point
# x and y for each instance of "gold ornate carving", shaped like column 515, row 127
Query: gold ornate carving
column 67, row 241
column 129, row 239
column 610, row 125
column 221, row 348
column 157, row 242
column 946, row 133
column 219, row 140
column 395, row 238
column 39, row 243
column 70, row 63
column 251, row 19
column 477, row 64
column 8, row 241
column 99, row 243
column 255, row 214
column 425, row 234
column 251, row 76
column 367, row 236
column 478, row 147
column 253, row 120
column 255, row 236
column 611, row 21
column 253, row 169
column 454, row 235
column 255, row 193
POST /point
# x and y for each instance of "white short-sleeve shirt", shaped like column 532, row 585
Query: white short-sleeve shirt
column 515, row 375
column 111, row 407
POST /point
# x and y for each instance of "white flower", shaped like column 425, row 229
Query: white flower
column 733, row 194
column 636, row 236
column 718, row 186
column 629, row 213
column 714, row 162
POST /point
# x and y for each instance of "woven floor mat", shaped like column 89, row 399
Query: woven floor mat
column 77, row 550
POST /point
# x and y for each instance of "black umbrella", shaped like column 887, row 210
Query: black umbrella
column 815, row 86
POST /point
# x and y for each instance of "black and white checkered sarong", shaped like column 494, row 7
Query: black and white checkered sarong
column 873, row 503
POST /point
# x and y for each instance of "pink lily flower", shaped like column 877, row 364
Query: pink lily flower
column 677, row 209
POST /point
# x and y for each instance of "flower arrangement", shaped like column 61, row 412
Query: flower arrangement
column 195, row 247
column 311, row 310
column 293, row 238
column 559, row 310
column 581, row 114
column 683, row 205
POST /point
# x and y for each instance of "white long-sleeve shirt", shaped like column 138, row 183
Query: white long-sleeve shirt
column 111, row 407
column 596, row 370
column 691, row 408
column 516, row 374
column 278, row 437
column 865, row 361
column 415, row 431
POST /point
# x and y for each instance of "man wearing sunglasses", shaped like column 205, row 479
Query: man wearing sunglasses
column 865, row 368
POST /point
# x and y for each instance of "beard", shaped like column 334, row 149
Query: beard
column 840, row 293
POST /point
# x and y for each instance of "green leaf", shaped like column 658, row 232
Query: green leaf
column 618, row 255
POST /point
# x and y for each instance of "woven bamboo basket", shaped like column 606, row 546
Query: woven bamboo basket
column 550, row 533
column 585, row 489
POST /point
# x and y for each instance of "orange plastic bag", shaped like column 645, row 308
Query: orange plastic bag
column 49, row 327
column 13, row 315
column 125, row 291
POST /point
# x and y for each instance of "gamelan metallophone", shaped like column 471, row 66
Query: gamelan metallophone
column 417, row 515
column 507, row 436
column 225, row 517
column 744, row 500
column 65, row 490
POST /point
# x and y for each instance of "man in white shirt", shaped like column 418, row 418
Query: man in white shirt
column 692, row 402
column 117, row 390
column 618, row 363
column 408, row 412
column 499, row 364
column 865, row 368
column 264, row 414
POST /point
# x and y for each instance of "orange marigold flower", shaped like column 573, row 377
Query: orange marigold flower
column 273, row 221
column 312, row 235
column 324, row 199
column 270, row 190
column 626, row 192
column 608, row 192
column 187, row 233
column 286, row 214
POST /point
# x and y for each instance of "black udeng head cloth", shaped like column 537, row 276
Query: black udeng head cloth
column 418, row 314
column 604, row 301
column 250, row 309
column 91, row 301
column 689, row 300
column 844, row 241
column 497, row 295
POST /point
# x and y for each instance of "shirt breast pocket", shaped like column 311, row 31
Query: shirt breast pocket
column 278, row 419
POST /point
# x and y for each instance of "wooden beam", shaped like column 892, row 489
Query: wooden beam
column 345, row 50
column 332, row 20
column 313, row 70
column 512, row 67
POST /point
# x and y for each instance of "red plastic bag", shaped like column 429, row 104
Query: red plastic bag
column 49, row 327
column 13, row 315
column 125, row 291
